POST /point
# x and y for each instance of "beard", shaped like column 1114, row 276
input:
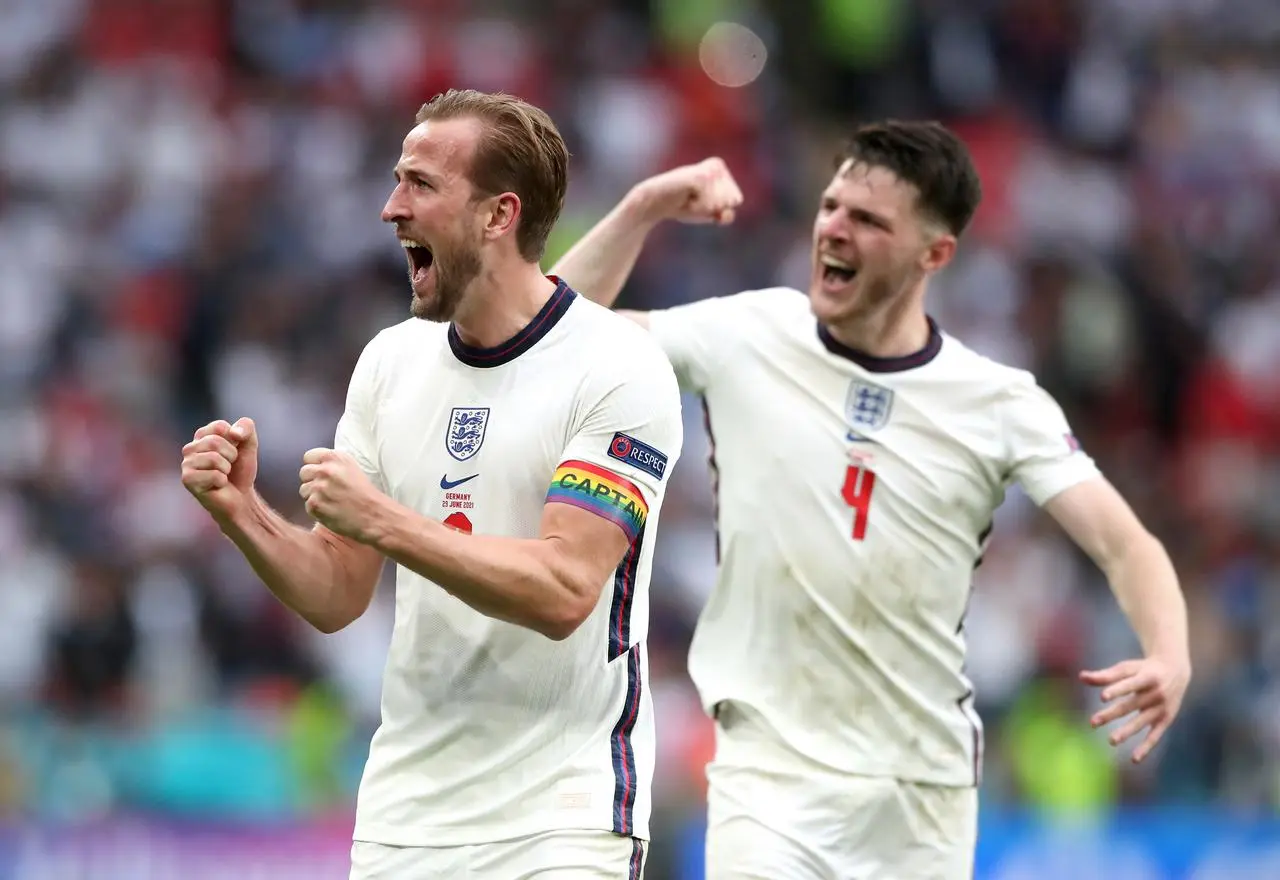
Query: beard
column 884, row 288
column 876, row 289
column 454, row 269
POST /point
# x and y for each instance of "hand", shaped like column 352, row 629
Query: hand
column 338, row 495
column 1153, row 688
column 701, row 193
column 220, row 464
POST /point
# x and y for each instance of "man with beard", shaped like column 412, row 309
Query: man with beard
column 859, row 454
column 506, row 448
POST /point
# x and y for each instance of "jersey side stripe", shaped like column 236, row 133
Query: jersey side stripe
column 624, row 758
column 637, row 860
column 965, row 703
column 624, row 594
column 715, row 474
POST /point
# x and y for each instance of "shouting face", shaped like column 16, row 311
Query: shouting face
column 436, row 215
column 870, row 244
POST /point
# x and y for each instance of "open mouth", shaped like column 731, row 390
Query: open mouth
column 837, row 271
column 420, row 259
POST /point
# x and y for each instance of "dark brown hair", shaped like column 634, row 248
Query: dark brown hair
column 929, row 157
column 521, row 151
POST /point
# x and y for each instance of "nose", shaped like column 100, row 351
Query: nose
column 832, row 227
column 397, row 207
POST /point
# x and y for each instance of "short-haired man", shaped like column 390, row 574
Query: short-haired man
column 508, row 453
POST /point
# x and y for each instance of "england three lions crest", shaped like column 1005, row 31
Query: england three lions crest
column 867, row 407
column 466, row 431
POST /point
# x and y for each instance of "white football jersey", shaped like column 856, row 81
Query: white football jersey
column 491, row 731
column 854, row 497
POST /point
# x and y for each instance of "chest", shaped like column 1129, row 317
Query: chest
column 904, row 452
column 479, row 444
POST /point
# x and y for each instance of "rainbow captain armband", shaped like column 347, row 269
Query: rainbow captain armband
column 601, row 492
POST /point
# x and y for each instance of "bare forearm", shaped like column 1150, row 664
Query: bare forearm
column 304, row 570
column 600, row 263
column 1146, row 586
column 521, row 581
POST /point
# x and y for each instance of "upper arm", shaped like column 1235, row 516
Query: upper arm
column 1098, row 519
column 358, row 569
column 589, row 547
column 693, row 338
column 1042, row 454
column 359, row 566
column 611, row 477
column 641, row 318
column 1045, row 458
column 355, row 434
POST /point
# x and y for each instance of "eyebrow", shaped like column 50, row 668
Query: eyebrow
column 400, row 172
column 861, row 213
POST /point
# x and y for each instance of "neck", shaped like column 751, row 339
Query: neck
column 501, row 302
column 899, row 329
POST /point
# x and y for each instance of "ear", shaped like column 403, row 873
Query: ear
column 938, row 253
column 504, row 212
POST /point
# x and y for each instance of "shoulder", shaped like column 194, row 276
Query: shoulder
column 615, row 363
column 748, row 313
column 1012, row 396
column 961, row 362
column 614, row 343
column 766, row 303
column 394, row 351
column 409, row 337
column 589, row 315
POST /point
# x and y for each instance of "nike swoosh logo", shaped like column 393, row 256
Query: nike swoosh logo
column 452, row 484
column 446, row 483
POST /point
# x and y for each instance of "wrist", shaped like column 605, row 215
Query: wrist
column 1178, row 657
column 386, row 527
column 243, row 517
column 1173, row 656
column 643, row 207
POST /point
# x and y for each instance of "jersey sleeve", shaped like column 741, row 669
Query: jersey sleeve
column 622, row 448
column 1044, row 456
column 355, row 433
column 693, row 338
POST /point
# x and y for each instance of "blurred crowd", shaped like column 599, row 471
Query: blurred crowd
column 189, row 197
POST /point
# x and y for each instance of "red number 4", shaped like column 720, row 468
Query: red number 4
column 858, row 485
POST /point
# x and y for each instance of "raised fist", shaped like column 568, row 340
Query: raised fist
column 701, row 193
column 338, row 495
column 220, row 464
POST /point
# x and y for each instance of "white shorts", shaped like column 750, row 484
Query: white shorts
column 778, row 819
column 573, row 855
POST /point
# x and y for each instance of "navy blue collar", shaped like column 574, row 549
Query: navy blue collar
column 505, row 352
column 885, row 364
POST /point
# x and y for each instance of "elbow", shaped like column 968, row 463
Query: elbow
column 338, row 618
column 1137, row 547
column 1147, row 547
column 348, row 599
column 565, row 616
column 330, row 624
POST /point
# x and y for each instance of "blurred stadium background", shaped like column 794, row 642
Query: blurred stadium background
column 189, row 192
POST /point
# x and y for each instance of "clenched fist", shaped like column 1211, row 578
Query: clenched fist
column 701, row 193
column 338, row 495
column 220, row 464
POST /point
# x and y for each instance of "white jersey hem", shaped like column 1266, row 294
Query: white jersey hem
column 475, row 835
